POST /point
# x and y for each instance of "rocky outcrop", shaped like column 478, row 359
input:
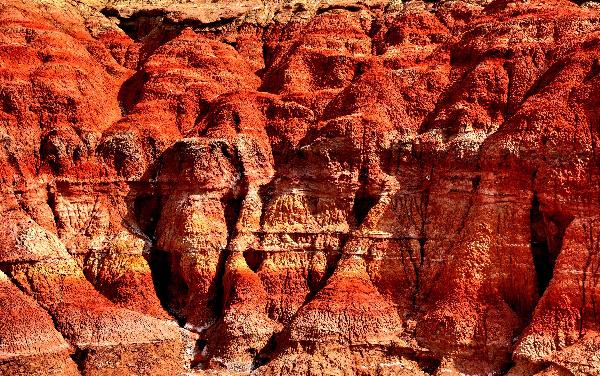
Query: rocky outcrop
column 295, row 188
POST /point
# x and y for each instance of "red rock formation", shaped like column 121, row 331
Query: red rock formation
column 294, row 188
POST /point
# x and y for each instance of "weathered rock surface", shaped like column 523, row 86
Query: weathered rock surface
column 299, row 187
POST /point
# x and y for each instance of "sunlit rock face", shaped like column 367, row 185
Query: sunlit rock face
column 299, row 187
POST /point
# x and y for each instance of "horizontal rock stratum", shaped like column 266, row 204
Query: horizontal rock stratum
column 280, row 187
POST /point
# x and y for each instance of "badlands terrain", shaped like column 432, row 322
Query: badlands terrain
column 299, row 187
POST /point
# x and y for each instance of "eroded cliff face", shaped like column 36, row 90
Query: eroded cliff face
column 299, row 187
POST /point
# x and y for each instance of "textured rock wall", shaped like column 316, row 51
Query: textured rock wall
column 299, row 187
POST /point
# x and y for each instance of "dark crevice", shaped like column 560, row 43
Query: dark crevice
column 49, row 152
column 218, row 300
column 333, row 260
column 349, row 8
column 422, row 242
column 131, row 91
column 160, row 266
column 427, row 361
column 8, row 103
column 232, row 207
column 233, row 44
column 146, row 209
column 423, row 209
column 363, row 201
column 254, row 259
column 544, row 267
column 171, row 289
column 547, row 232
column 199, row 360
column 209, row 25
column 511, row 103
column 143, row 23
column 267, row 58
column 265, row 355
column 51, row 201
column 138, row 25
column 594, row 70
column 5, row 267
column 79, row 357
column 428, row 365
column 506, row 368
column 236, row 121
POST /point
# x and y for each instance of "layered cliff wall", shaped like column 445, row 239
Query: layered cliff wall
column 299, row 187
